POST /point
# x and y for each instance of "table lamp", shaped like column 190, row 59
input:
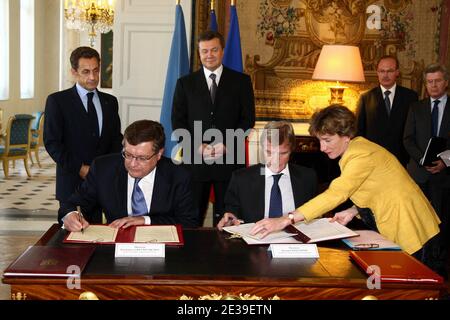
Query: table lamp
column 339, row 63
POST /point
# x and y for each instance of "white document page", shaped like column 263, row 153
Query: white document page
column 156, row 234
column 95, row 233
column 243, row 230
column 322, row 229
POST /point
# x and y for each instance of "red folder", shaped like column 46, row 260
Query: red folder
column 127, row 236
column 396, row 266
column 43, row 261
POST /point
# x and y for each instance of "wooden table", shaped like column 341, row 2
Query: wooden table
column 210, row 263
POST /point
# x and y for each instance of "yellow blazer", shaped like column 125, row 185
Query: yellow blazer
column 373, row 178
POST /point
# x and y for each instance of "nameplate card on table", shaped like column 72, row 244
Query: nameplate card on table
column 104, row 234
column 294, row 251
column 140, row 250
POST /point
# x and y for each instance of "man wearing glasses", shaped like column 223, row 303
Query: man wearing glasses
column 137, row 187
column 382, row 111
column 431, row 117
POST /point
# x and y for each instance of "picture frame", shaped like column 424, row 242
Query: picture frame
column 106, row 53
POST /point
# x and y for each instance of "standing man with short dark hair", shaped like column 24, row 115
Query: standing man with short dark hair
column 431, row 117
column 213, row 100
column 81, row 123
column 382, row 111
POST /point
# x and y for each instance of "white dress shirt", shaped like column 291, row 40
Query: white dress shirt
column 287, row 196
column 217, row 72
column 441, row 107
column 391, row 95
column 146, row 184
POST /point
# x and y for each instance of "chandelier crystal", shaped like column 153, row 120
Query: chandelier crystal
column 92, row 15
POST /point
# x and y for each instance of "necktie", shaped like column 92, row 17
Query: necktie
column 387, row 101
column 213, row 89
column 138, row 205
column 276, row 204
column 92, row 114
column 435, row 118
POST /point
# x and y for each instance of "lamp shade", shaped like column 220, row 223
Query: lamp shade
column 339, row 63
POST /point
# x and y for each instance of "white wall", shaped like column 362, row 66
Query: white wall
column 46, row 58
column 142, row 39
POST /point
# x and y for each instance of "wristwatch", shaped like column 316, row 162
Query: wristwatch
column 291, row 217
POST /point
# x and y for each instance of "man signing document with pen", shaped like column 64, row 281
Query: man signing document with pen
column 272, row 189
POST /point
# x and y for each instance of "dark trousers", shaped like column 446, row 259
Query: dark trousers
column 437, row 250
column 202, row 191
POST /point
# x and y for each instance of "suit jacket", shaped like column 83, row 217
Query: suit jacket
column 69, row 139
column 373, row 178
column 245, row 195
column 417, row 134
column 234, row 108
column 106, row 186
column 375, row 124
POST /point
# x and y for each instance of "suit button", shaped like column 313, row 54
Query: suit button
column 212, row 113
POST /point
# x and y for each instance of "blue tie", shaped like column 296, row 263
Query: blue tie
column 138, row 205
column 435, row 118
column 276, row 204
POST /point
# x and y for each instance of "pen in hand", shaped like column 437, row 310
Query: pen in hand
column 80, row 218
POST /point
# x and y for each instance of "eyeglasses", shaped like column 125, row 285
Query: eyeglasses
column 140, row 159
column 363, row 246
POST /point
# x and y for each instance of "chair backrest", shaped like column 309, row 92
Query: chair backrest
column 18, row 132
column 37, row 118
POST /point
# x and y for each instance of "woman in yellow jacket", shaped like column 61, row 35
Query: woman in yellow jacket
column 372, row 178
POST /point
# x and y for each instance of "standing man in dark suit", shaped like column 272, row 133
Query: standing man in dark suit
column 252, row 193
column 81, row 123
column 382, row 111
column 137, row 187
column 431, row 117
column 208, row 104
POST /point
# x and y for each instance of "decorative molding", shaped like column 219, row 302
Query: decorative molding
column 215, row 296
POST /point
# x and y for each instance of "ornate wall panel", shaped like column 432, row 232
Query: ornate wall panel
column 281, row 42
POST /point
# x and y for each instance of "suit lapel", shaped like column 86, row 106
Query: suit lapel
column 260, row 192
column 105, row 110
column 445, row 123
column 426, row 116
column 202, row 89
column 297, row 188
column 160, row 188
column 380, row 103
column 121, row 189
column 77, row 103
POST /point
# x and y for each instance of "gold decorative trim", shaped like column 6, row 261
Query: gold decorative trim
column 19, row 296
column 228, row 296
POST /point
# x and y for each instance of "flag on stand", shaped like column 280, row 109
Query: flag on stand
column 212, row 20
column 178, row 66
column 233, row 54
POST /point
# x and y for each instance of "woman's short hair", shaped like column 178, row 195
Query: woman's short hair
column 145, row 131
column 334, row 119
column 282, row 131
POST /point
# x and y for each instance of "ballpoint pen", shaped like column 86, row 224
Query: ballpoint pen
column 80, row 218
